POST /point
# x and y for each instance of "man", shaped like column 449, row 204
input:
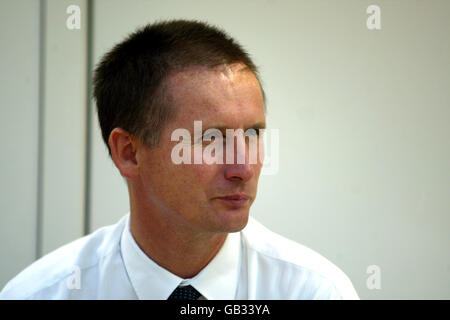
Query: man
column 188, row 234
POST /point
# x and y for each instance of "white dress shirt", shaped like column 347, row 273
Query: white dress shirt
column 254, row 263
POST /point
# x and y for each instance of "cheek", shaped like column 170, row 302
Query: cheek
column 180, row 184
column 191, row 179
column 203, row 175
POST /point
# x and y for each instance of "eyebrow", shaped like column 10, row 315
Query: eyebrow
column 256, row 126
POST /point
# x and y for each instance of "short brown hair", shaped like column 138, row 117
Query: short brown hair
column 128, row 81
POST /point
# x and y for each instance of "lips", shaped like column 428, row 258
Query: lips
column 238, row 196
column 235, row 200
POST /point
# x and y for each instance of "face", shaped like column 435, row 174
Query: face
column 192, row 195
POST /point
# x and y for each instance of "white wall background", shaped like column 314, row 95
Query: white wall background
column 363, row 117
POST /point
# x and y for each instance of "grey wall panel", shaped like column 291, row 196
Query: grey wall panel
column 65, row 125
column 19, row 117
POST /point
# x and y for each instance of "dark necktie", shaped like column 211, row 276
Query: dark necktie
column 184, row 293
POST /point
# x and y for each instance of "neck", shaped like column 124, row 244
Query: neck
column 179, row 249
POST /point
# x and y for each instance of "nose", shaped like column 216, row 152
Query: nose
column 238, row 170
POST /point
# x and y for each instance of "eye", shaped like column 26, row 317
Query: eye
column 252, row 132
column 212, row 133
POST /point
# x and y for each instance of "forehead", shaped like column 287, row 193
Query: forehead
column 228, row 95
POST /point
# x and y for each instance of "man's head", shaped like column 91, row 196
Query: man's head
column 129, row 80
column 164, row 77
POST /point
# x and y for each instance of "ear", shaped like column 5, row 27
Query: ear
column 123, row 151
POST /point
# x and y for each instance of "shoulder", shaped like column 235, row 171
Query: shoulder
column 46, row 278
column 295, row 263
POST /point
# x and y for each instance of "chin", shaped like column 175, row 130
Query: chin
column 233, row 221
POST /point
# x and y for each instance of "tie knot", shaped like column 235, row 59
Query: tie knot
column 184, row 293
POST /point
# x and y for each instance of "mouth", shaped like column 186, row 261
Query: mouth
column 235, row 200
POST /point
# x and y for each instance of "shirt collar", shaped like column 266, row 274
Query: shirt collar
column 217, row 281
